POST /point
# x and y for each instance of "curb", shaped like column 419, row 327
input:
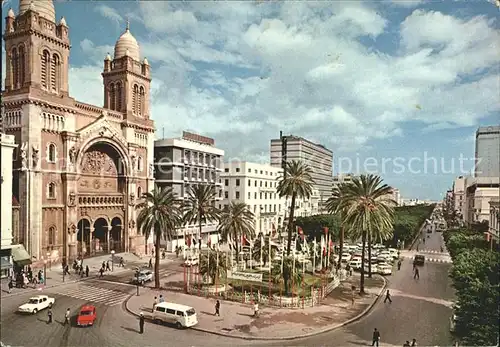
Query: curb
column 294, row 337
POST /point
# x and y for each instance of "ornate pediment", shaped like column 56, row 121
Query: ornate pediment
column 102, row 127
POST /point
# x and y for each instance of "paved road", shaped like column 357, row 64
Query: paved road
column 420, row 309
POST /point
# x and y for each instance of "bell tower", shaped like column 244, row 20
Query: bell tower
column 126, row 79
column 37, row 49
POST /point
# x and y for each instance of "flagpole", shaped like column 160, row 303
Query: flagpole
column 328, row 253
column 261, row 247
column 321, row 250
column 303, row 260
column 270, row 258
column 216, row 270
column 314, row 256
column 251, row 250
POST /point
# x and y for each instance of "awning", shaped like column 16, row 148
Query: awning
column 5, row 263
column 20, row 255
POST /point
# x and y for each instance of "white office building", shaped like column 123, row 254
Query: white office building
column 181, row 163
column 256, row 185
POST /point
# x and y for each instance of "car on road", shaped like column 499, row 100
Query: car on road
column 419, row 259
column 181, row 316
column 384, row 269
column 191, row 261
column 86, row 316
column 394, row 252
column 385, row 256
column 36, row 303
column 355, row 263
column 142, row 276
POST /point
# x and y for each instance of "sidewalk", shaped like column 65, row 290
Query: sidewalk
column 273, row 324
column 55, row 277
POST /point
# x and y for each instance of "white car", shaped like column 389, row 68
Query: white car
column 374, row 268
column 346, row 257
column 142, row 276
column 191, row 261
column 384, row 269
column 36, row 303
column 394, row 252
column 355, row 263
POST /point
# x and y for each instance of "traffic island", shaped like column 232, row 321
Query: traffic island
column 237, row 320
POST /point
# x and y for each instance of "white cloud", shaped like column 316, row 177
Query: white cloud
column 110, row 13
column 243, row 71
column 406, row 3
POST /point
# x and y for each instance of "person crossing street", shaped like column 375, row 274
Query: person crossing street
column 375, row 337
column 388, row 297
column 141, row 323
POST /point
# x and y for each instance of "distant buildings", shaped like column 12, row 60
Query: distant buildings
column 342, row 178
column 487, row 152
column 317, row 156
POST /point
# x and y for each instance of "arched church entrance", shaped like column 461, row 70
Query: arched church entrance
column 116, row 239
column 100, row 240
column 83, row 237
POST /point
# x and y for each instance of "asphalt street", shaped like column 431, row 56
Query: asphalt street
column 420, row 309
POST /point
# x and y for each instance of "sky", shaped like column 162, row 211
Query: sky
column 396, row 88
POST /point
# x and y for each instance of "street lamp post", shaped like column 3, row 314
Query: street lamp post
column 45, row 272
column 137, row 281
column 112, row 260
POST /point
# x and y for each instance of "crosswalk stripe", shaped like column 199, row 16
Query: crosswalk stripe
column 96, row 294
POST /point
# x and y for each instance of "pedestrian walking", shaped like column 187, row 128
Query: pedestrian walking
column 101, row 272
column 161, row 299
column 103, row 265
column 66, row 269
column 87, row 270
column 108, row 268
column 399, row 264
column 66, row 317
column 150, row 265
column 49, row 316
column 10, row 285
column 141, row 323
column 155, row 303
column 388, row 297
column 217, row 308
column 256, row 309
column 413, row 342
column 375, row 337
column 416, row 275
column 121, row 262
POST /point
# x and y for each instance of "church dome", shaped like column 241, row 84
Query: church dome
column 127, row 46
column 44, row 7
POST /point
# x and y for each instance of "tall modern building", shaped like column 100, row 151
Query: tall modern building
column 487, row 152
column 317, row 156
column 181, row 163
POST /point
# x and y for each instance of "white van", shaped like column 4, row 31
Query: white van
column 179, row 315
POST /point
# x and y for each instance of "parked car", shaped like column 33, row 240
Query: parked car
column 37, row 303
column 355, row 263
column 393, row 252
column 384, row 269
column 346, row 257
column 86, row 316
column 419, row 259
column 142, row 276
column 374, row 268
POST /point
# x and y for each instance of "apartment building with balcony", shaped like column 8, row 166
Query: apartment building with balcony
column 479, row 192
column 181, row 163
column 255, row 185
column 459, row 203
column 342, row 178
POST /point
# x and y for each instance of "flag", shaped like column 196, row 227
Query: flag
column 301, row 233
column 188, row 241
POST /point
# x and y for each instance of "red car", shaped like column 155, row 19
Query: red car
column 86, row 316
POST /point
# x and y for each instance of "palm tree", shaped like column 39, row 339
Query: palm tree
column 368, row 209
column 160, row 214
column 286, row 272
column 213, row 264
column 265, row 250
column 236, row 221
column 334, row 205
column 296, row 182
column 200, row 207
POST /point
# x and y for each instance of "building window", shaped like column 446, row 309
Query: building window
column 139, row 192
column 226, row 194
column 260, row 196
column 237, row 195
column 226, row 170
column 44, row 69
column 140, row 164
column 220, row 193
column 142, row 101
column 237, row 169
column 261, row 172
column 249, row 195
column 255, row 183
column 249, row 183
column 260, row 184
column 255, row 195
column 119, row 96
column 54, row 73
column 226, row 182
column 51, row 153
column 51, row 237
column 265, row 184
column 51, row 190
column 237, row 182
column 111, row 97
column 249, row 170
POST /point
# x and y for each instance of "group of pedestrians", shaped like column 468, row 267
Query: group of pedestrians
column 22, row 279
column 67, row 316
column 376, row 339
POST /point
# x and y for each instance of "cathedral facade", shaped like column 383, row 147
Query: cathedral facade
column 79, row 169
